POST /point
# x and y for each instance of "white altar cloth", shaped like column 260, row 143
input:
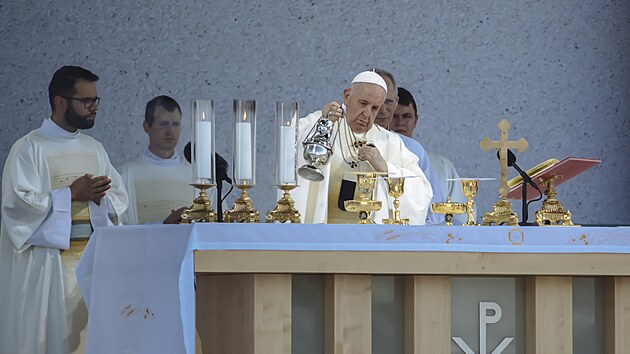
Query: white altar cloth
column 138, row 281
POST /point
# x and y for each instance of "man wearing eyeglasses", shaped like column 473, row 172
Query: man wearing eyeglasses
column 158, row 180
column 57, row 185
column 384, row 119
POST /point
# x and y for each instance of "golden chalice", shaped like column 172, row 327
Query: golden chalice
column 449, row 209
column 396, row 186
column 366, row 182
column 470, row 188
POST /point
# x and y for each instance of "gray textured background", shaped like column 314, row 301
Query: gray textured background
column 557, row 70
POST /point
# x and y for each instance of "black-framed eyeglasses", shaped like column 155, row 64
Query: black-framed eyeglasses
column 87, row 101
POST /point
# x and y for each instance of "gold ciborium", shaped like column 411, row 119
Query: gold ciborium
column 449, row 209
column 243, row 210
column 285, row 208
column 366, row 182
column 470, row 188
column 396, row 186
column 201, row 209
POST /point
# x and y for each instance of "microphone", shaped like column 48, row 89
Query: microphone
column 220, row 170
column 187, row 153
column 511, row 158
column 511, row 162
column 220, row 164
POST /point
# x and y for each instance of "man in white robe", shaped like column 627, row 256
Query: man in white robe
column 404, row 122
column 158, row 181
column 384, row 119
column 381, row 151
column 57, row 185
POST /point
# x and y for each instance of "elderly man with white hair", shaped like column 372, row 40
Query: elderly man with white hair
column 360, row 146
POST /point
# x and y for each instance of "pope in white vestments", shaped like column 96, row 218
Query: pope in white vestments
column 57, row 185
column 381, row 151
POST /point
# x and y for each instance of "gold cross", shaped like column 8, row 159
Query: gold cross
column 502, row 145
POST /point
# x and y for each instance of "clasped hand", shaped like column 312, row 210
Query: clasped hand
column 87, row 188
column 367, row 152
column 371, row 154
column 175, row 217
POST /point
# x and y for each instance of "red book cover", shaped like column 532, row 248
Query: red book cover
column 567, row 168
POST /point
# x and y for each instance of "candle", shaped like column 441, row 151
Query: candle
column 203, row 150
column 243, row 163
column 287, row 155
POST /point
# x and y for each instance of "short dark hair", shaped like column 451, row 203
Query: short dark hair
column 64, row 79
column 163, row 101
column 384, row 73
column 405, row 98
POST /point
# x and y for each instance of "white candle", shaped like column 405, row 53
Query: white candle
column 203, row 150
column 287, row 155
column 243, row 170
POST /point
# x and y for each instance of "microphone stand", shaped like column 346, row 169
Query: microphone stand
column 219, row 196
column 524, row 205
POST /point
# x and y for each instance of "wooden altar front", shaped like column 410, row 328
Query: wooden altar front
column 244, row 297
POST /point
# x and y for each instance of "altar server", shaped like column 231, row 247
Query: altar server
column 404, row 122
column 57, row 185
column 158, row 180
column 384, row 118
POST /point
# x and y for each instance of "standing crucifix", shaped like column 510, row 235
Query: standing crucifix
column 502, row 145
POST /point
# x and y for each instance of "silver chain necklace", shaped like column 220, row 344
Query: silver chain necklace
column 351, row 144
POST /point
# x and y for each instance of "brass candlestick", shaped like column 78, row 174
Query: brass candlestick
column 364, row 205
column 201, row 209
column 285, row 209
column 470, row 188
column 396, row 187
column 449, row 208
column 552, row 212
column 243, row 210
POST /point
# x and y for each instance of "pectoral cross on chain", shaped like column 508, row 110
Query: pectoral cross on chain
column 502, row 146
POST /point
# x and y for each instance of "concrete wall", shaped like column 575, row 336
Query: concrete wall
column 557, row 70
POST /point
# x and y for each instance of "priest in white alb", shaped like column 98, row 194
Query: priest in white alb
column 404, row 122
column 57, row 185
column 158, row 180
column 360, row 146
column 385, row 119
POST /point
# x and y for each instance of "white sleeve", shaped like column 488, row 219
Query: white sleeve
column 54, row 231
column 103, row 214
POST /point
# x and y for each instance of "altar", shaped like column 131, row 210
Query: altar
column 148, row 287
